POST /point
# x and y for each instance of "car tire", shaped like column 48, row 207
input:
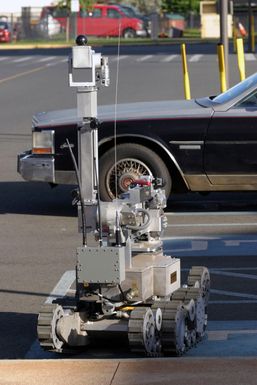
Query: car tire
column 129, row 33
column 133, row 161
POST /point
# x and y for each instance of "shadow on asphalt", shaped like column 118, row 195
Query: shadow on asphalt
column 17, row 332
column 213, row 201
column 36, row 199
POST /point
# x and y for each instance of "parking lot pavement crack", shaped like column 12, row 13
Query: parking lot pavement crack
column 114, row 374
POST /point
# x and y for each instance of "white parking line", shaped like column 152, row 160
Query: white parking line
column 195, row 58
column 254, row 224
column 222, row 335
column 144, row 58
column 169, row 58
column 62, row 286
column 234, row 294
column 250, row 57
column 44, row 59
column 235, row 275
column 22, row 59
column 121, row 57
column 57, row 62
column 4, row 58
column 213, row 213
column 235, row 268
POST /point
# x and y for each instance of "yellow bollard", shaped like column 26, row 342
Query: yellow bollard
column 222, row 69
column 234, row 37
column 185, row 73
column 240, row 58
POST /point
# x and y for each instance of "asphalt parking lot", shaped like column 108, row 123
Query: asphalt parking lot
column 39, row 227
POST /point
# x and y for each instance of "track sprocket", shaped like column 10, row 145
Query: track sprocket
column 48, row 318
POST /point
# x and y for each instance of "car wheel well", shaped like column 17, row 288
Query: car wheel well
column 129, row 33
column 178, row 184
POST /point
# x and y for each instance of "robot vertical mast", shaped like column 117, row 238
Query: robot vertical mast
column 84, row 59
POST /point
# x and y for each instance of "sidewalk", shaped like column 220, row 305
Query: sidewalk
column 177, row 371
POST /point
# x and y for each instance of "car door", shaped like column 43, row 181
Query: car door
column 230, row 156
column 90, row 22
column 112, row 22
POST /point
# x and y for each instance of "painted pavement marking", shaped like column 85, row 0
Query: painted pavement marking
column 144, row 58
column 45, row 59
column 195, row 58
column 250, row 57
column 169, row 58
column 22, row 59
column 121, row 57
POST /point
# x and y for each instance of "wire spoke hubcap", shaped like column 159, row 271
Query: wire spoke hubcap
column 125, row 172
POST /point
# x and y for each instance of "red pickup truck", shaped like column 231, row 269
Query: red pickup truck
column 103, row 20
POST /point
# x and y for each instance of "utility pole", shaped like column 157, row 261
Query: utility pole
column 224, row 34
column 250, row 28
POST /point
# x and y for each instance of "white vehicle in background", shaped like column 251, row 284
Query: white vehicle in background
column 49, row 26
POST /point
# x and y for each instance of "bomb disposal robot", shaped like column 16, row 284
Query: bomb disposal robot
column 125, row 285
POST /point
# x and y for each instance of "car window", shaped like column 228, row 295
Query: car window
column 96, row 12
column 128, row 12
column 3, row 25
column 249, row 101
column 113, row 14
column 237, row 90
column 59, row 12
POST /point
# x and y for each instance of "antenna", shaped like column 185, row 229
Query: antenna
column 115, row 111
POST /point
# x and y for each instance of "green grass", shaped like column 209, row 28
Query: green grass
column 60, row 41
column 192, row 33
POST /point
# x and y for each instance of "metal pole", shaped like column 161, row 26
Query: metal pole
column 249, row 26
column 224, row 34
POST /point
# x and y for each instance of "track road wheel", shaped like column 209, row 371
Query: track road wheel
column 48, row 318
column 142, row 333
column 200, row 322
column 173, row 329
column 199, row 276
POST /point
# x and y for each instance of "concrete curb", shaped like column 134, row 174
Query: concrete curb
column 177, row 371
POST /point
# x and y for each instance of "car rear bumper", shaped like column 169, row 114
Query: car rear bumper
column 37, row 168
column 141, row 33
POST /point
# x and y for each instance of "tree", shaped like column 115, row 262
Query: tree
column 144, row 6
column 85, row 4
column 183, row 7
column 66, row 4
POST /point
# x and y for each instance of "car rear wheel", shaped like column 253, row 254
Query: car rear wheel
column 133, row 161
column 129, row 33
